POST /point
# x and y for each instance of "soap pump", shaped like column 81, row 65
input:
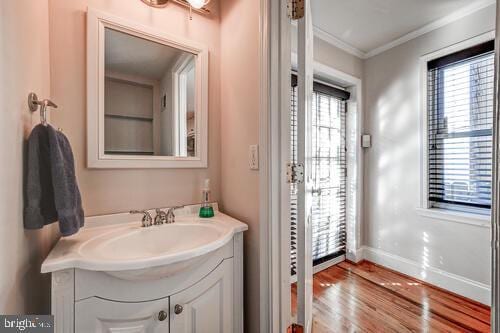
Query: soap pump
column 206, row 209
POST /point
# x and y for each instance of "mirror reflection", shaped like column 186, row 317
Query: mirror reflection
column 149, row 100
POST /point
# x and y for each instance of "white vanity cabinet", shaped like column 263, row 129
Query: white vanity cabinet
column 198, row 290
column 205, row 307
column 98, row 315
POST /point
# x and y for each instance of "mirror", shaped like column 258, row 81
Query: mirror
column 151, row 101
column 149, row 97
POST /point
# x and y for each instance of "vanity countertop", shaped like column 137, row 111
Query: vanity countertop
column 118, row 242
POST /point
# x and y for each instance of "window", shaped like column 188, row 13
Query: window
column 328, row 172
column 460, row 121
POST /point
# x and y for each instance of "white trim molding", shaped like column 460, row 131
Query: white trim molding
column 331, row 39
column 455, row 283
column 423, row 132
column 97, row 22
column 438, row 214
column 321, row 267
column 452, row 17
column 274, row 49
column 354, row 130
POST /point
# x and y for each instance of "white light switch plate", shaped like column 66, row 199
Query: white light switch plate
column 366, row 141
column 253, row 157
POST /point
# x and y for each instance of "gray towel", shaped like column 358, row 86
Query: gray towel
column 52, row 193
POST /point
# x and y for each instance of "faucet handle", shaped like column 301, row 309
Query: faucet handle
column 161, row 217
column 147, row 220
column 171, row 215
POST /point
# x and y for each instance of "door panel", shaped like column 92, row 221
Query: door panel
column 304, row 149
column 103, row 316
column 205, row 307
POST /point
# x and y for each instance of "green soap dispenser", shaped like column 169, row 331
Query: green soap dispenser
column 206, row 209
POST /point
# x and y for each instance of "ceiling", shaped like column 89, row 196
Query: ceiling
column 364, row 26
column 132, row 55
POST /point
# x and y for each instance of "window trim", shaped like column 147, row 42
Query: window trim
column 441, row 214
column 424, row 208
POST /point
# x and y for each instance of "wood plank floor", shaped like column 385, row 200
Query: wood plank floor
column 365, row 297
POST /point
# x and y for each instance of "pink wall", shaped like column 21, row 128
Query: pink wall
column 240, row 124
column 110, row 191
column 24, row 67
column 233, row 40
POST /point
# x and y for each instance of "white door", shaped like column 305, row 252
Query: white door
column 96, row 315
column 495, row 235
column 304, row 151
column 205, row 307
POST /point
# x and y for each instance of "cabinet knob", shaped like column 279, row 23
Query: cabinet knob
column 162, row 315
column 178, row 309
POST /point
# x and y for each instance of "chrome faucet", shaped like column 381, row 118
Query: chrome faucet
column 147, row 220
column 171, row 215
column 161, row 217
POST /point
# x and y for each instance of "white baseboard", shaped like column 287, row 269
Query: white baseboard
column 455, row 283
column 354, row 255
column 322, row 266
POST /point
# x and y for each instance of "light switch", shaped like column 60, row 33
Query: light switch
column 366, row 141
column 253, row 157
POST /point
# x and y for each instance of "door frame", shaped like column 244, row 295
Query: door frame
column 495, row 214
column 180, row 72
column 275, row 65
column 354, row 158
column 274, row 71
column 274, row 37
column 274, row 79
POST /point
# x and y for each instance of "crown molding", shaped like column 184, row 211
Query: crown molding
column 329, row 38
column 332, row 40
column 454, row 16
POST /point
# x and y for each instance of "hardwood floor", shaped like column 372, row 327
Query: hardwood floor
column 370, row 298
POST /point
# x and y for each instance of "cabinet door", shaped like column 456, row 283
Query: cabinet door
column 100, row 316
column 206, row 307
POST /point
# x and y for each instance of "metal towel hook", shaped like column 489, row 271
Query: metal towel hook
column 34, row 102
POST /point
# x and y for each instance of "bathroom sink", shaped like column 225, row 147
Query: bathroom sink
column 129, row 251
column 145, row 243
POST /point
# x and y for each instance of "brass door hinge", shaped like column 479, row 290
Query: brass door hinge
column 295, row 9
column 295, row 328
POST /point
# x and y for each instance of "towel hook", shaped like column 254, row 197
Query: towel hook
column 34, row 102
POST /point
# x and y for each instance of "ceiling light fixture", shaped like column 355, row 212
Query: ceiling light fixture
column 196, row 5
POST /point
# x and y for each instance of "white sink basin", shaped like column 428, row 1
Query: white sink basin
column 131, row 252
column 139, row 243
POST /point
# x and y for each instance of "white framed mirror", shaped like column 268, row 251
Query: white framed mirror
column 147, row 97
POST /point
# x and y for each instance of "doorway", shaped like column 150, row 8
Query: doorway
column 329, row 163
column 400, row 235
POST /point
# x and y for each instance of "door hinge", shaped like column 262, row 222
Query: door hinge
column 294, row 173
column 295, row 9
column 295, row 328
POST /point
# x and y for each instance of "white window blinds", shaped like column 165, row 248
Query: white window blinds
column 328, row 171
column 460, row 122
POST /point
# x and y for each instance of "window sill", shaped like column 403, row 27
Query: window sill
column 483, row 221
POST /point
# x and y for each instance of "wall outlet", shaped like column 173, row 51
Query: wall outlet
column 253, row 157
